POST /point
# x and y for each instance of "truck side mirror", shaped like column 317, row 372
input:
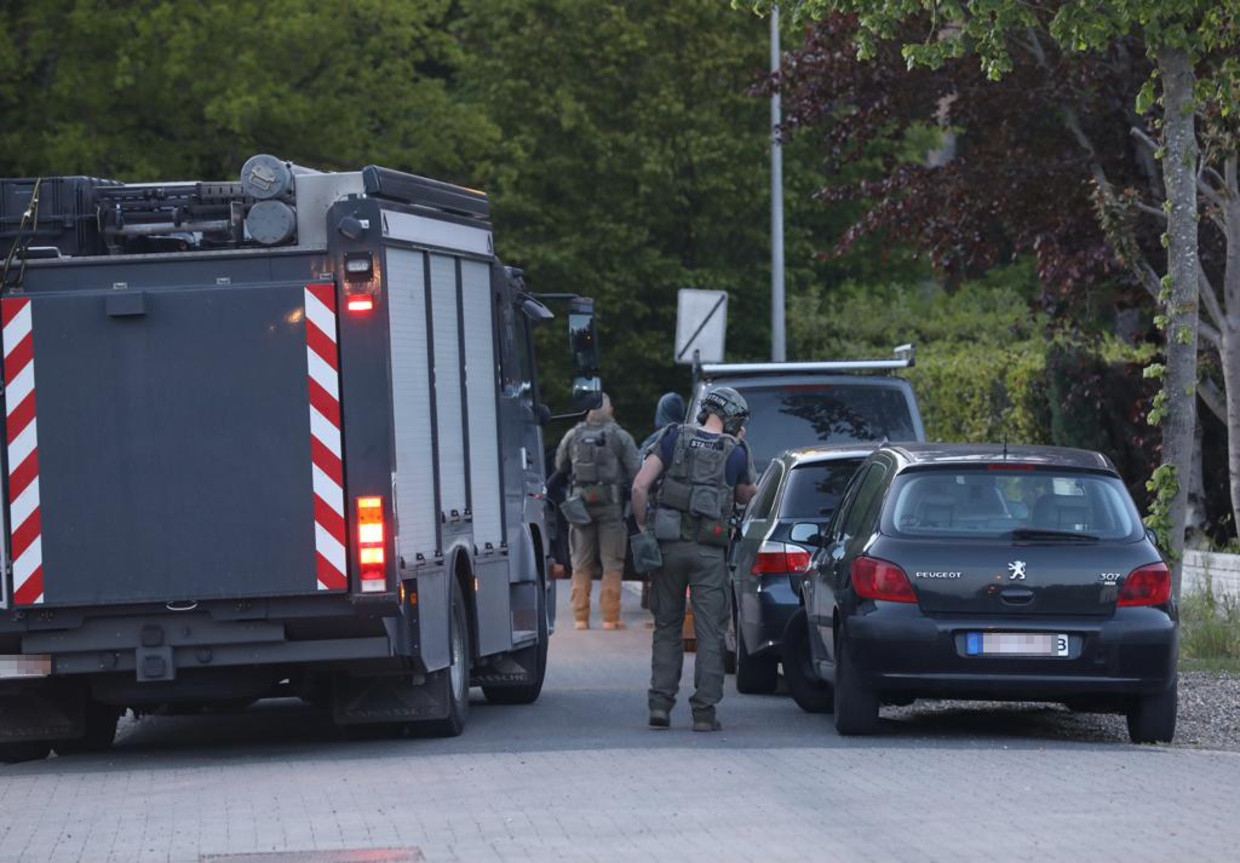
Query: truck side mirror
column 582, row 337
column 583, row 343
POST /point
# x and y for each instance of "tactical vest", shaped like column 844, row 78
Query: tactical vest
column 596, row 467
column 695, row 488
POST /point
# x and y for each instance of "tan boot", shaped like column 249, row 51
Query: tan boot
column 609, row 600
column 584, row 624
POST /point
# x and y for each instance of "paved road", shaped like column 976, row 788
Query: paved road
column 579, row 777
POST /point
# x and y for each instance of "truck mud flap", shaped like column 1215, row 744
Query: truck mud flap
column 42, row 710
column 391, row 698
column 511, row 669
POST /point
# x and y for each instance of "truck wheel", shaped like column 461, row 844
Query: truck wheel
column 856, row 705
column 456, row 674
column 100, row 733
column 527, row 693
column 24, row 750
column 811, row 693
column 1151, row 718
column 755, row 675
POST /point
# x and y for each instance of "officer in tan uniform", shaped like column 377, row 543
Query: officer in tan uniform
column 601, row 460
column 702, row 469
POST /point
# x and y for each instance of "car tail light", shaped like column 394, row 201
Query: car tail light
column 779, row 558
column 372, row 570
column 880, row 579
column 1147, row 585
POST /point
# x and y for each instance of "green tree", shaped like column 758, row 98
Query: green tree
column 156, row 89
column 1179, row 35
column 634, row 162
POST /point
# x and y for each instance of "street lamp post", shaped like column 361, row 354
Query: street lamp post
column 778, row 348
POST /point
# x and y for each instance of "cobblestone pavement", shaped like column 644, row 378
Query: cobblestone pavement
column 579, row 777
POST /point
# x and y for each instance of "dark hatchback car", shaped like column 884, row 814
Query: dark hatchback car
column 796, row 497
column 983, row 572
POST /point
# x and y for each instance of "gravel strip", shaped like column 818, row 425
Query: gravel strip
column 1209, row 717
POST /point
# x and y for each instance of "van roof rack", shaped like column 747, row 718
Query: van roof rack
column 903, row 357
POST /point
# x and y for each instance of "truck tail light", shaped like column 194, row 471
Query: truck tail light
column 360, row 303
column 1146, row 585
column 372, row 567
column 778, row 558
column 880, row 579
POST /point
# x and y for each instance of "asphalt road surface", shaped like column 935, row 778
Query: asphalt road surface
column 578, row 776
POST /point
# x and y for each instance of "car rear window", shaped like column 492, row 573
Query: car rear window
column 814, row 490
column 998, row 503
column 788, row 417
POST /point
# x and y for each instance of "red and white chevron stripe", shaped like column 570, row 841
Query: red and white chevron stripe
column 323, row 362
column 23, row 443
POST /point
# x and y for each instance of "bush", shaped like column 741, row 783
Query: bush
column 981, row 393
column 987, row 369
column 980, row 373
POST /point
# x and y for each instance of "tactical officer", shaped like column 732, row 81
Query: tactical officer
column 670, row 410
column 601, row 459
column 704, row 469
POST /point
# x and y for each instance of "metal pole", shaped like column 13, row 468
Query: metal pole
column 778, row 353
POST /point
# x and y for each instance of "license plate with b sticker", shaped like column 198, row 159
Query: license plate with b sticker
column 1017, row 644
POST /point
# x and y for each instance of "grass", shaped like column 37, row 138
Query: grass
column 1211, row 666
column 1209, row 631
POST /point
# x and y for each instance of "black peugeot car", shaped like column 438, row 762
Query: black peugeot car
column 986, row 572
column 797, row 494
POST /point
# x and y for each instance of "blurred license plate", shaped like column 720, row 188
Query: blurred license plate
column 31, row 665
column 1017, row 644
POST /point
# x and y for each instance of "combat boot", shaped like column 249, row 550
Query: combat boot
column 707, row 724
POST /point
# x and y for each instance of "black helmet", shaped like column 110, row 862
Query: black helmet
column 728, row 405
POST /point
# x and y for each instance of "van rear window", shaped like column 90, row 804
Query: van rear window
column 788, row 417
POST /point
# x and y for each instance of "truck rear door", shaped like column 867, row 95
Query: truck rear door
column 173, row 443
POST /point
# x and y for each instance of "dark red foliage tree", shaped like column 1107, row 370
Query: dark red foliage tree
column 1022, row 155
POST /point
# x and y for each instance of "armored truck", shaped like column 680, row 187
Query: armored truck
column 272, row 437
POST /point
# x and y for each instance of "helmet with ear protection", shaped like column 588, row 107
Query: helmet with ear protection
column 727, row 404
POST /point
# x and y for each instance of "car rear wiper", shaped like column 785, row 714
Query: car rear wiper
column 1038, row 533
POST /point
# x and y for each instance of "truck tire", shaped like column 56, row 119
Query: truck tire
column 24, row 750
column 811, row 693
column 755, row 675
column 527, row 693
column 101, row 720
column 1151, row 718
column 856, row 705
column 456, row 674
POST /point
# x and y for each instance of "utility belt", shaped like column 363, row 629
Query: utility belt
column 576, row 507
column 671, row 525
column 597, row 493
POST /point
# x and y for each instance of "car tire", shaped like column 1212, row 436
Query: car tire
column 457, row 674
column 24, row 750
column 101, row 720
column 856, row 705
column 1151, row 718
column 527, row 693
column 755, row 675
column 811, row 693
